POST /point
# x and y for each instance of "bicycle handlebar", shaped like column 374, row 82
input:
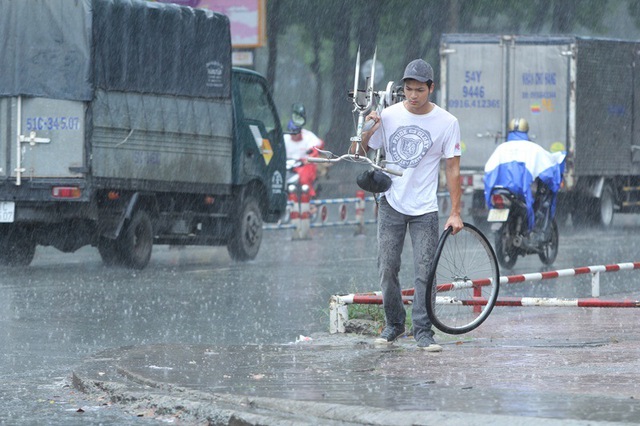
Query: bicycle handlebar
column 356, row 158
column 362, row 105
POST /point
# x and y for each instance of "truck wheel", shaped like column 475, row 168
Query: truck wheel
column 109, row 253
column 247, row 231
column 136, row 241
column 586, row 212
column 17, row 246
column 606, row 204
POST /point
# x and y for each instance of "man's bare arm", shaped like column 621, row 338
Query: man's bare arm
column 455, row 193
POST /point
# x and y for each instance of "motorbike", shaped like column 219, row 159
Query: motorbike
column 294, row 187
column 509, row 219
column 293, row 179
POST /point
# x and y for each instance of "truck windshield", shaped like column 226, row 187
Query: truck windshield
column 255, row 104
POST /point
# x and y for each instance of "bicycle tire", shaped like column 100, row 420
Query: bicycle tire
column 464, row 280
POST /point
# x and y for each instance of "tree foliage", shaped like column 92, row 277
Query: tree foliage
column 402, row 30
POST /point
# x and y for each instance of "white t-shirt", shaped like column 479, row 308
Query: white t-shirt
column 417, row 142
column 297, row 150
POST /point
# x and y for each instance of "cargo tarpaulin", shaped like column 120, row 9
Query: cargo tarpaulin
column 65, row 49
column 45, row 48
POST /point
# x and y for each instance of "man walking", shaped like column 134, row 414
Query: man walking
column 415, row 134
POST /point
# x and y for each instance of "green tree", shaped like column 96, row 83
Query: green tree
column 403, row 30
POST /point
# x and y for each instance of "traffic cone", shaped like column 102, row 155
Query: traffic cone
column 360, row 213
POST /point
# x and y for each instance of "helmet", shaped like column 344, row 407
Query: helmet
column 518, row 125
column 298, row 114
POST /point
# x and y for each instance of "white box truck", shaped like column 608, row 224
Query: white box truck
column 580, row 95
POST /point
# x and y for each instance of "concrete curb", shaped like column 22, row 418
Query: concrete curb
column 227, row 409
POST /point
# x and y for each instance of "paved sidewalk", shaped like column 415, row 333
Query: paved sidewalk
column 523, row 366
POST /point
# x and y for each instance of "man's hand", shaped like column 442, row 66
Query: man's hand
column 363, row 147
column 373, row 115
column 455, row 222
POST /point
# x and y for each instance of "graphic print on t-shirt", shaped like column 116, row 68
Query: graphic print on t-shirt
column 408, row 145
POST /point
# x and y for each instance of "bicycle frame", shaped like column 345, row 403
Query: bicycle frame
column 362, row 105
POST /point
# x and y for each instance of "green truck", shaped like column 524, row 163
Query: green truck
column 123, row 125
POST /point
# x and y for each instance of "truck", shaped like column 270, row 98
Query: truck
column 123, row 125
column 580, row 95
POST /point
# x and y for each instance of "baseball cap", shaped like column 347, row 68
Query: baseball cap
column 418, row 70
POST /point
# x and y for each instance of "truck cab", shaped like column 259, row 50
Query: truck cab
column 261, row 155
column 101, row 148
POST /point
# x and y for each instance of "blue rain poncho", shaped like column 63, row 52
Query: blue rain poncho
column 516, row 164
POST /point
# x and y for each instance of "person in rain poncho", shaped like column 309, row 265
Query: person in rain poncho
column 516, row 165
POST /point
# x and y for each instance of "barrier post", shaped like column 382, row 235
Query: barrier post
column 595, row 284
column 305, row 217
column 295, row 214
column 360, row 212
column 338, row 315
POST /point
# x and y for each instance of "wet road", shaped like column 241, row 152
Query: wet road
column 66, row 307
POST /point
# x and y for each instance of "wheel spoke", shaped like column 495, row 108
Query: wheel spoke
column 464, row 281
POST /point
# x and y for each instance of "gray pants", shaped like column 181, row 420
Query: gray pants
column 392, row 229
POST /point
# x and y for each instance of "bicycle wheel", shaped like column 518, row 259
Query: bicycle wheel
column 463, row 282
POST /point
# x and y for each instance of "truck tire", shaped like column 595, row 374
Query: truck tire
column 606, row 204
column 136, row 241
column 595, row 211
column 246, row 236
column 17, row 246
column 582, row 215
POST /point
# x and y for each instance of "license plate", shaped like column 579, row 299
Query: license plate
column 498, row 215
column 7, row 211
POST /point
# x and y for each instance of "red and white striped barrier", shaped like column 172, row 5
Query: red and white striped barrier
column 539, row 276
column 338, row 312
column 291, row 219
column 556, row 302
column 359, row 202
column 344, row 211
column 376, row 299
